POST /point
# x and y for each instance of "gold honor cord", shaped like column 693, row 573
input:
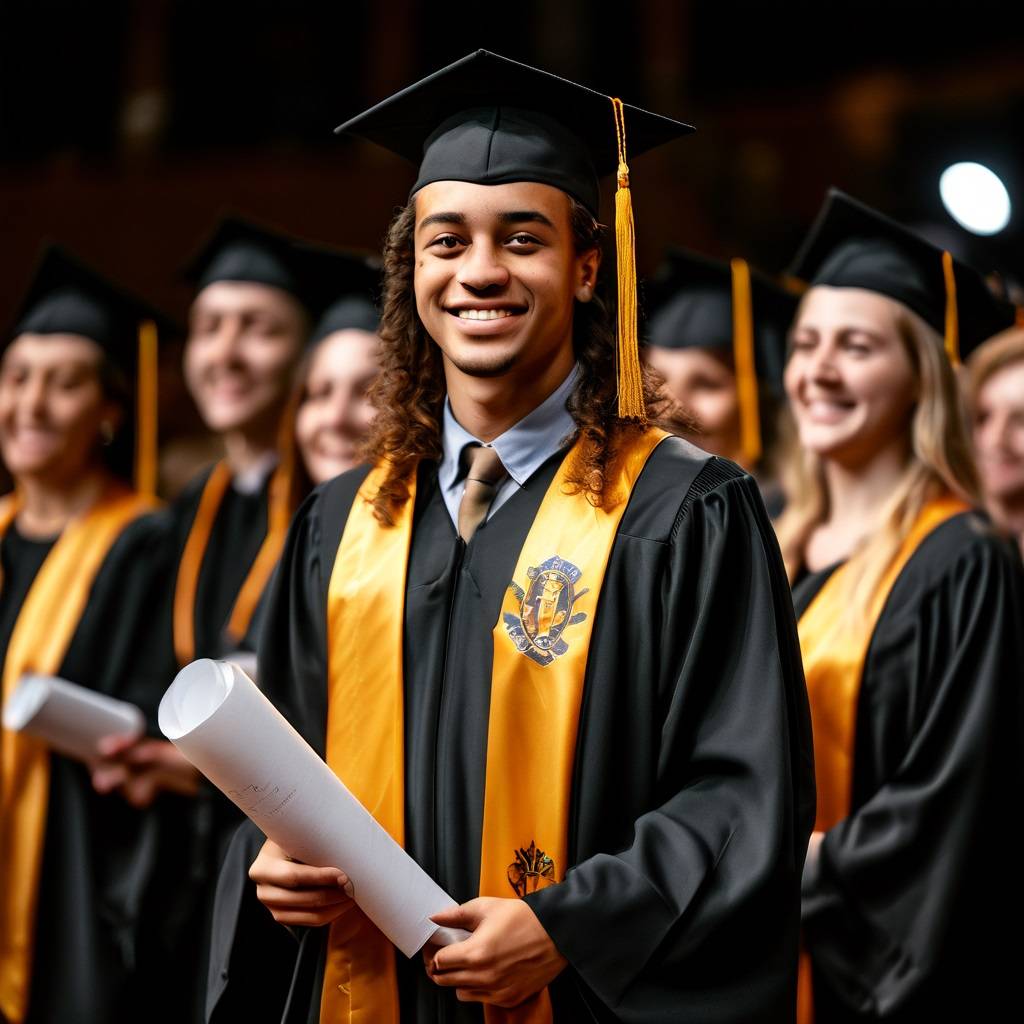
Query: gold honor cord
column 146, row 403
column 540, row 656
column 42, row 634
column 187, row 583
column 630, row 376
column 834, row 651
column 745, row 364
column 952, row 337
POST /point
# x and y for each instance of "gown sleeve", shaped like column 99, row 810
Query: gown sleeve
column 706, row 896
column 882, row 901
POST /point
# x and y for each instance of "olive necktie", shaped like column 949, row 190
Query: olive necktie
column 483, row 475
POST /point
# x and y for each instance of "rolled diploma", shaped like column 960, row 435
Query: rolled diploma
column 219, row 719
column 71, row 719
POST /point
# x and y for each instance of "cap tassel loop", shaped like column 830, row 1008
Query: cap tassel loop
column 146, row 411
column 630, row 376
column 952, row 322
column 743, row 359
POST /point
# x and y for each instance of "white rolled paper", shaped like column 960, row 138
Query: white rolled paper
column 218, row 718
column 71, row 719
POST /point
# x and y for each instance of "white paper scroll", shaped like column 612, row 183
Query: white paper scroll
column 227, row 728
column 71, row 719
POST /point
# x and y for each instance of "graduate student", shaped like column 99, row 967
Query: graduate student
column 550, row 646
column 717, row 335
column 910, row 618
column 995, row 393
column 82, row 568
column 334, row 412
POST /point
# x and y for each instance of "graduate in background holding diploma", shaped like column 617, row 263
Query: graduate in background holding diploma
column 83, row 567
column 910, row 613
column 551, row 647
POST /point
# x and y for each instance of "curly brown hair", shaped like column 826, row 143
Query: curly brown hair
column 409, row 392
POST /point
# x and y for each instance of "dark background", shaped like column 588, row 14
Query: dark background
column 126, row 126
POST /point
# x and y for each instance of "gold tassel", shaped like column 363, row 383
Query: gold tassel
column 1019, row 318
column 146, row 396
column 630, row 382
column 952, row 323
column 743, row 359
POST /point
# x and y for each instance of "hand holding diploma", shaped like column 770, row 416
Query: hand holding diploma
column 228, row 729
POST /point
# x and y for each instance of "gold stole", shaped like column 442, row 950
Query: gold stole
column 833, row 655
column 541, row 642
column 39, row 642
column 278, row 515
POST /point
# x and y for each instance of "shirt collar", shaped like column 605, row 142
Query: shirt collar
column 524, row 447
column 252, row 479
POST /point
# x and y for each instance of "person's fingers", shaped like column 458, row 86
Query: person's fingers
column 467, row 916
column 310, row 918
column 111, row 746
column 327, row 896
column 140, row 790
column 272, row 868
column 107, row 777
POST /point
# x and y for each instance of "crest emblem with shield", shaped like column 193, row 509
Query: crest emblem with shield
column 545, row 609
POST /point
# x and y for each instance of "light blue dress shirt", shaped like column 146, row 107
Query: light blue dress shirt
column 523, row 448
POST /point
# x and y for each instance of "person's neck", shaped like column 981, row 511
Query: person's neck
column 859, row 492
column 245, row 450
column 47, row 506
column 1008, row 514
column 488, row 406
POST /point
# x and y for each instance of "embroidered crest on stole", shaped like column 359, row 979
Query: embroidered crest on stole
column 545, row 609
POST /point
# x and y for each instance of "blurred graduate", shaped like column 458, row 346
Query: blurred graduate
column 910, row 612
column 84, row 564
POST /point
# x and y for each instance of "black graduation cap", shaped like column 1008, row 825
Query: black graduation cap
column 698, row 302
column 68, row 297
column 242, row 250
column 349, row 312
column 491, row 121
column 851, row 245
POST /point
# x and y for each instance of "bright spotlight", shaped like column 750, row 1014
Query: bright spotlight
column 975, row 198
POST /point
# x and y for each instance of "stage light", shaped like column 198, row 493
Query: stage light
column 975, row 198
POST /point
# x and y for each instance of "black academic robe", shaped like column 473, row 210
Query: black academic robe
column 693, row 792
column 238, row 532
column 903, row 911
column 235, row 539
column 97, row 943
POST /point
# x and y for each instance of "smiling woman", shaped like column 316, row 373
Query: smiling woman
column 909, row 612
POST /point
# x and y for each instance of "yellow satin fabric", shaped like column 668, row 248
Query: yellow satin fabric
column 39, row 643
column 530, row 755
column 278, row 515
column 833, row 656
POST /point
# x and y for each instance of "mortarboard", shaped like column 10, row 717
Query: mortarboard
column 241, row 250
column 696, row 301
column 851, row 245
column 490, row 120
column 355, row 305
column 68, row 297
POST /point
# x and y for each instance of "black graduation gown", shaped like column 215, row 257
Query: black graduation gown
column 693, row 793
column 902, row 911
column 96, row 942
column 236, row 537
column 238, row 532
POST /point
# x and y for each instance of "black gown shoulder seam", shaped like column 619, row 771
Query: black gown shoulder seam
column 716, row 472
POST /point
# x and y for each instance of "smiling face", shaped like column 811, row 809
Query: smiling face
column 335, row 412
column 849, row 379
column 52, row 405
column 702, row 381
column 999, row 432
column 496, row 277
column 244, row 341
